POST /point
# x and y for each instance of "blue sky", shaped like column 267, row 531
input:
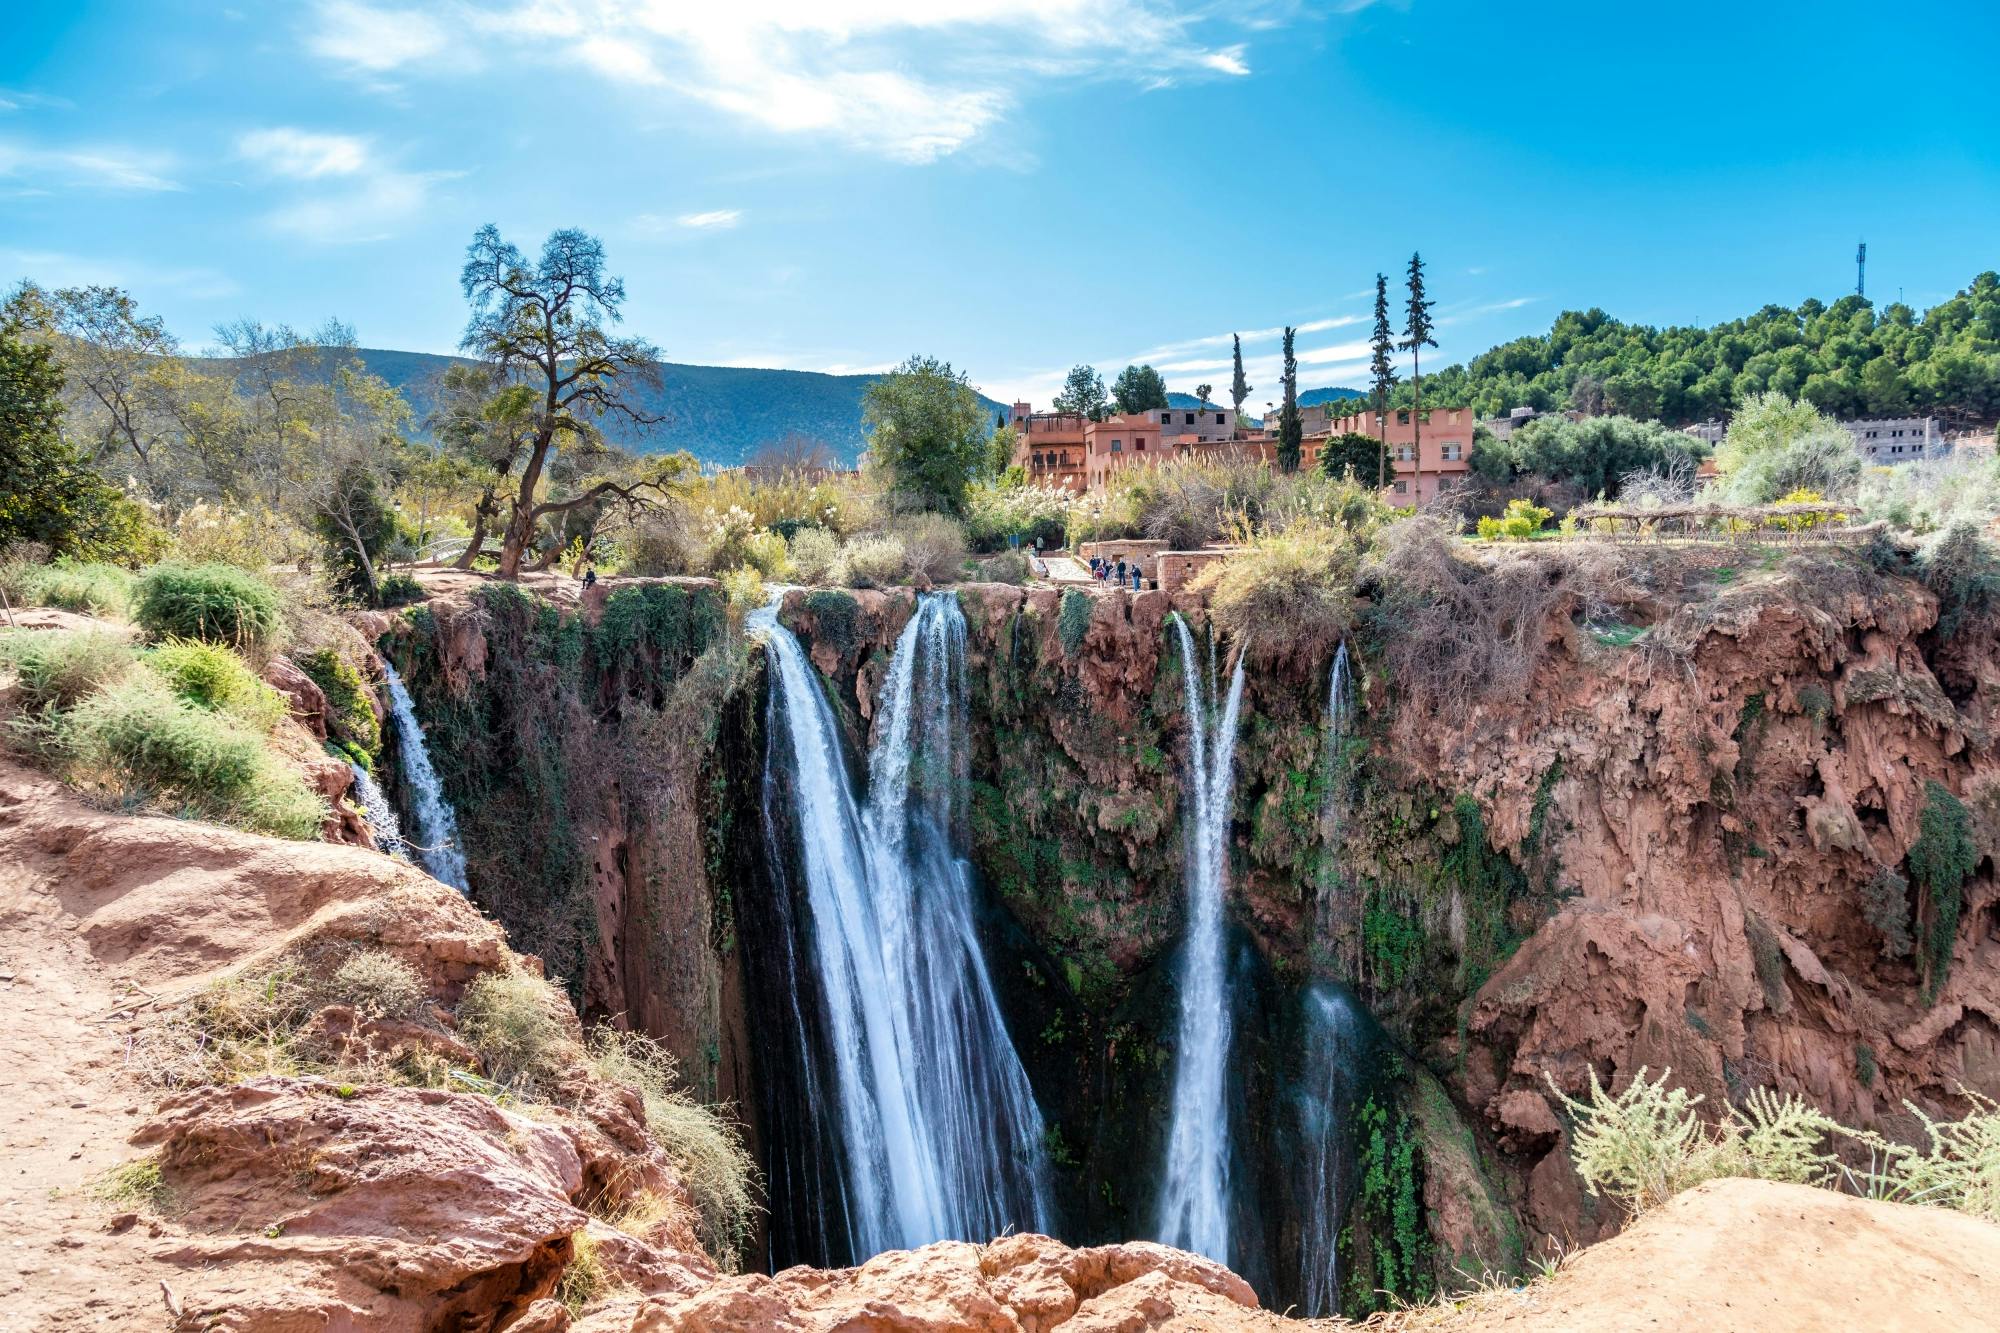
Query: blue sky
column 1014, row 185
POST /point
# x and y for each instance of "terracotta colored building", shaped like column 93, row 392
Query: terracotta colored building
column 1116, row 443
column 1447, row 446
column 1050, row 446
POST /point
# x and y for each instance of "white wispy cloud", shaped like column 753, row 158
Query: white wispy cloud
column 303, row 155
column 351, row 192
column 56, row 268
column 910, row 82
column 40, row 169
column 716, row 219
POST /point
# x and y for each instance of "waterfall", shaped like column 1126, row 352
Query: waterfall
column 1321, row 1107
column 436, row 841
column 1194, row 1211
column 381, row 816
column 938, row 1132
column 1333, row 801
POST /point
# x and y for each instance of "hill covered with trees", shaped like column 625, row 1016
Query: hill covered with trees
column 1847, row 359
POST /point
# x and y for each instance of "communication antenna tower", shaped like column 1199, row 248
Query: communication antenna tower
column 1861, row 269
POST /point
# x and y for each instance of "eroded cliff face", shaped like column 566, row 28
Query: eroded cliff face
column 1688, row 844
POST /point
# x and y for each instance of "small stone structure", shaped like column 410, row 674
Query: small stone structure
column 1175, row 568
column 1133, row 551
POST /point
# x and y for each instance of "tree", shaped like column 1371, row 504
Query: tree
column 927, row 431
column 1417, row 330
column 1382, row 369
column 109, row 354
column 1083, row 394
column 1000, row 450
column 48, row 493
column 547, row 325
column 1776, row 446
column 1290, row 430
column 1139, row 389
column 345, row 491
column 1202, row 393
column 1359, row 454
column 1239, row 387
column 489, row 423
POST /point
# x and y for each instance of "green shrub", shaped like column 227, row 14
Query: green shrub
column 58, row 669
column 718, row 1172
column 210, row 676
column 586, row 1277
column 814, row 552
column 870, row 562
column 218, row 603
column 1960, row 566
column 996, row 512
column 836, row 617
column 1006, row 567
column 1885, row 905
column 93, row 589
column 1073, row 619
column 1941, row 860
column 399, row 590
column 512, row 1020
column 350, row 708
column 742, row 588
column 141, row 738
column 1523, row 519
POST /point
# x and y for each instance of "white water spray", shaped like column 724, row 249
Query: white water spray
column 1325, row 1095
column 381, row 816
column 940, row 1132
column 1194, row 1204
column 436, row 840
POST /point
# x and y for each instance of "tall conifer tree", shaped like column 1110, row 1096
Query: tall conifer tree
column 1239, row 388
column 1417, row 330
column 1290, row 431
column 1382, row 365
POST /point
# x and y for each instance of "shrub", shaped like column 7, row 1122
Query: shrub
column 836, row 617
column 743, row 588
column 1941, row 860
column 399, row 590
column 58, row 669
column 996, row 513
column 219, row 603
column 586, row 1277
column 1290, row 592
column 142, row 739
column 1958, row 1165
column 1073, row 616
column 718, row 1172
column 209, row 676
column 513, row 1021
column 1885, row 905
column 379, row 985
column 93, row 589
column 933, row 548
column 870, row 562
column 661, row 540
column 1005, row 567
column 1960, row 567
column 350, row 708
column 814, row 551
column 138, row 1183
column 1648, row 1143
column 1523, row 519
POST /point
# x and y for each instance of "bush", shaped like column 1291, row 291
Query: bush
column 1006, row 567
column 1073, row 615
column 513, row 1021
column 718, row 1172
column 814, row 552
column 209, row 676
column 933, row 548
column 661, row 540
column 350, row 708
column 379, row 985
column 93, row 589
column 586, row 1277
column 996, row 513
column 1941, row 860
column 1523, row 519
column 1961, row 568
column 870, row 562
column 399, row 590
column 743, row 588
column 58, row 669
column 1885, row 905
column 218, row 603
column 1290, row 592
column 140, row 738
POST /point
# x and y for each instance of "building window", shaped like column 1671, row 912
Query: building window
column 1117, row 446
column 1139, row 445
column 1218, row 419
column 1403, row 417
column 1451, row 453
column 1402, row 488
column 1404, row 454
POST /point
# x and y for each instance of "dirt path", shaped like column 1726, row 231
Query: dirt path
column 67, row 1113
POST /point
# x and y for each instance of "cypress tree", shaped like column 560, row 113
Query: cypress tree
column 1382, row 345
column 1290, row 431
column 1239, row 388
column 1417, row 329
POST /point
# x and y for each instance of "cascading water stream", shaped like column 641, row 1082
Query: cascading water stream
column 381, row 815
column 1194, row 1208
column 1321, row 1104
column 939, row 1135
column 436, row 840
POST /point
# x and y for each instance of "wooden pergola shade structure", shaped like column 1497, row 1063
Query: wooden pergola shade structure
column 1696, row 521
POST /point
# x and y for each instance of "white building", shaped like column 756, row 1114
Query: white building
column 1886, row 441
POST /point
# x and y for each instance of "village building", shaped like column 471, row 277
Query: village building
column 1193, row 425
column 1446, row 443
column 1887, row 441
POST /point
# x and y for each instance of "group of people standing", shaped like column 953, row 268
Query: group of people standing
column 1119, row 572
